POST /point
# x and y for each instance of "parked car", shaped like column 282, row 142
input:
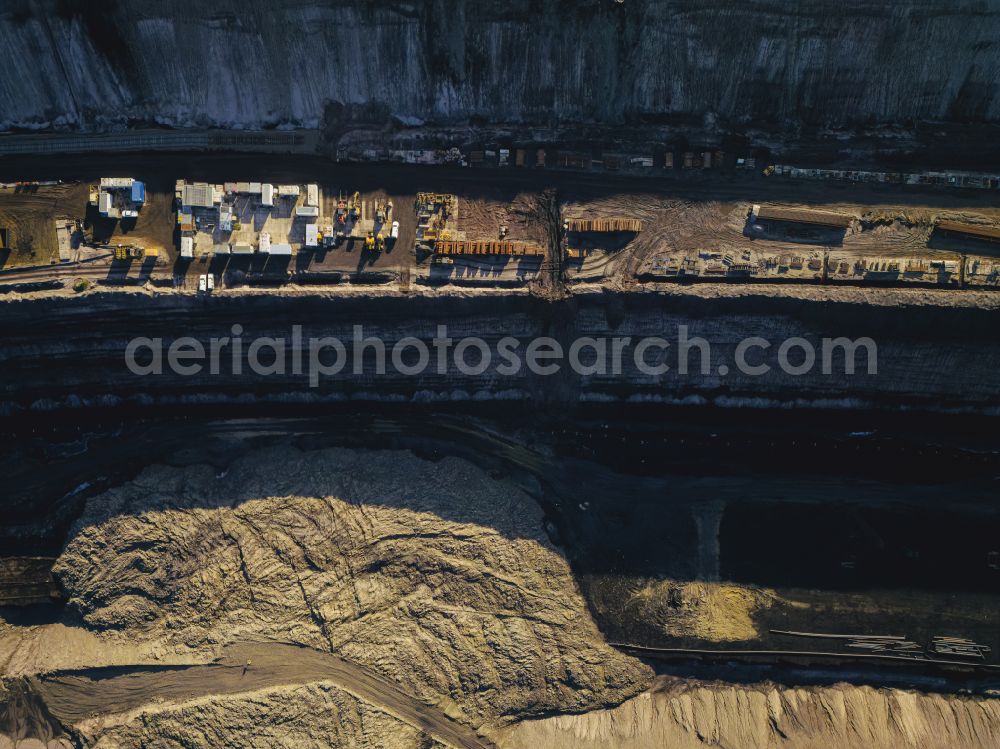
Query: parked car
column 202, row 283
column 395, row 230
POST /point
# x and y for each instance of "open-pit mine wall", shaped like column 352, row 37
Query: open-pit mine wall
column 253, row 63
column 935, row 350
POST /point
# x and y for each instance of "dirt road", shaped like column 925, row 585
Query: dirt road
column 75, row 697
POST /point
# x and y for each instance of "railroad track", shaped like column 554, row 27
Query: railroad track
column 807, row 658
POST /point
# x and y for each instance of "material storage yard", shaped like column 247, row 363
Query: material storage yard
column 369, row 225
column 881, row 243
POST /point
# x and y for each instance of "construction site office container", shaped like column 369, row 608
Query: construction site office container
column 187, row 247
column 198, row 195
column 281, row 249
column 267, row 194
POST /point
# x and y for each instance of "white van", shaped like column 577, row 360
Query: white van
column 395, row 230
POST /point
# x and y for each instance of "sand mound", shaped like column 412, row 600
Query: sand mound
column 693, row 715
column 434, row 575
column 704, row 610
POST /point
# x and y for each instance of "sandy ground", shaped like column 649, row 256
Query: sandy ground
column 675, row 229
column 691, row 715
column 78, row 699
column 481, row 218
column 709, row 611
column 29, row 215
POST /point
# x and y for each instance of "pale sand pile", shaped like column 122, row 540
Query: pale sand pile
column 692, row 715
column 718, row 612
column 433, row 574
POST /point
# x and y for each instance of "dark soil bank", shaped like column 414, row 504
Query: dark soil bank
column 929, row 352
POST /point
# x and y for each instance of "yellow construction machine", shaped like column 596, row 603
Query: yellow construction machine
column 128, row 252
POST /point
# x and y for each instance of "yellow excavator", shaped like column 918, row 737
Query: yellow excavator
column 370, row 241
column 127, row 252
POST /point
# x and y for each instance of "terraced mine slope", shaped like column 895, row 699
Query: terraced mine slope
column 263, row 62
